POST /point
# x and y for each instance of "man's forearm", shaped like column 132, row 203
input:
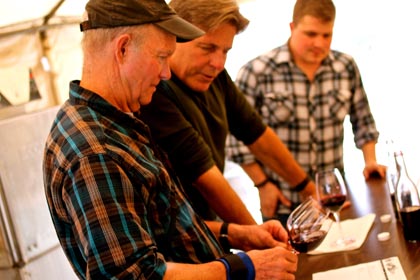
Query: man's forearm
column 369, row 153
column 222, row 198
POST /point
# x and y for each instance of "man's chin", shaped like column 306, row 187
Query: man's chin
column 318, row 58
column 200, row 86
column 145, row 100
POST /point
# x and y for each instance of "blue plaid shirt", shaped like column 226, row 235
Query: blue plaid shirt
column 307, row 116
column 116, row 208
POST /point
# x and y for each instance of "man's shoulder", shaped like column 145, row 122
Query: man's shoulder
column 277, row 53
column 269, row 60
column 168, row 93
column 77, row 129
column 336, row 55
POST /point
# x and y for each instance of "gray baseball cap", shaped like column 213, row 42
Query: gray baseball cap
column 111, row 13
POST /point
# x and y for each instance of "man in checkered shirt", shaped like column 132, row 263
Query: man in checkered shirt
column 304, row 90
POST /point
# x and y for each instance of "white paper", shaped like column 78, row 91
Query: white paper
column 355, row 228
column 386, row 269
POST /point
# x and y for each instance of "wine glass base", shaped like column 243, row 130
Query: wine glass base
column 343, row 242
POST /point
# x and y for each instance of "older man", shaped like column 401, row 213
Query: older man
column 116, row 204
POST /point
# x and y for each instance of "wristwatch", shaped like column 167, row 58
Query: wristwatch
column 223, row 237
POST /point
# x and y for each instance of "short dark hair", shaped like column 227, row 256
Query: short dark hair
column 320, row 9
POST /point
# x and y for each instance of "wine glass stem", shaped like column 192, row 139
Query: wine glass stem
column 337, row 219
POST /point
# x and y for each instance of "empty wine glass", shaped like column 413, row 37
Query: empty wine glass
column 308, row 225
column 332, row 194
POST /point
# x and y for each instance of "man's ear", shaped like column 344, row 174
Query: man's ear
column 122, row 47
column 291, row 25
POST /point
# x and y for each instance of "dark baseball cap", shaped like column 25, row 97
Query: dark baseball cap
column 111, row 13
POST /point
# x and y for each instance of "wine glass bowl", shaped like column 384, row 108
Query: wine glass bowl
column 308, row 225
column 333, row 202
column 332, row 194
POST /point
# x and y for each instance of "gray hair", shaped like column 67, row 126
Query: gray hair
column 95, row 39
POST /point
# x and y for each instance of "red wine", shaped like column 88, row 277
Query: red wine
column 333, row 202
column 395, row 207
column 306, row 242
column 410, row 218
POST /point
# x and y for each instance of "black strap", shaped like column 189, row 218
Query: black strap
column 238, row 270
column 223, row 238
column 301, row 186
column 263, row 183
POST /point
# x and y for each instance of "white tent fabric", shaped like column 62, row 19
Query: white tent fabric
column 19, row 11
column 43, row 37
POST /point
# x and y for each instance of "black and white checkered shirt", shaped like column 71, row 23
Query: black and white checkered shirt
column 307, row 116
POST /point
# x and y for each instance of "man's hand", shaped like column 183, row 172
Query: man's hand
column 372, row 170
column 270, row 197
column 274, row 263
column 267, row 235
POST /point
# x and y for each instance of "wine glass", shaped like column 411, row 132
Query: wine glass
column 308, row 225
column 332, row 194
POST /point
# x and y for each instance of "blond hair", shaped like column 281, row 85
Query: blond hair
column 209, row 14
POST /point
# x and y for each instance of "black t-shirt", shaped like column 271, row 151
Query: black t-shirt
column 192, row 128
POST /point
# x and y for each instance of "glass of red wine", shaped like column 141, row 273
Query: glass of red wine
column 308, row 225
column 332, row 194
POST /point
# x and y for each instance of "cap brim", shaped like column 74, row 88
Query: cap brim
column 182, row 29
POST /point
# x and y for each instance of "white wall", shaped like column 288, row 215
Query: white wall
column 380, row 34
